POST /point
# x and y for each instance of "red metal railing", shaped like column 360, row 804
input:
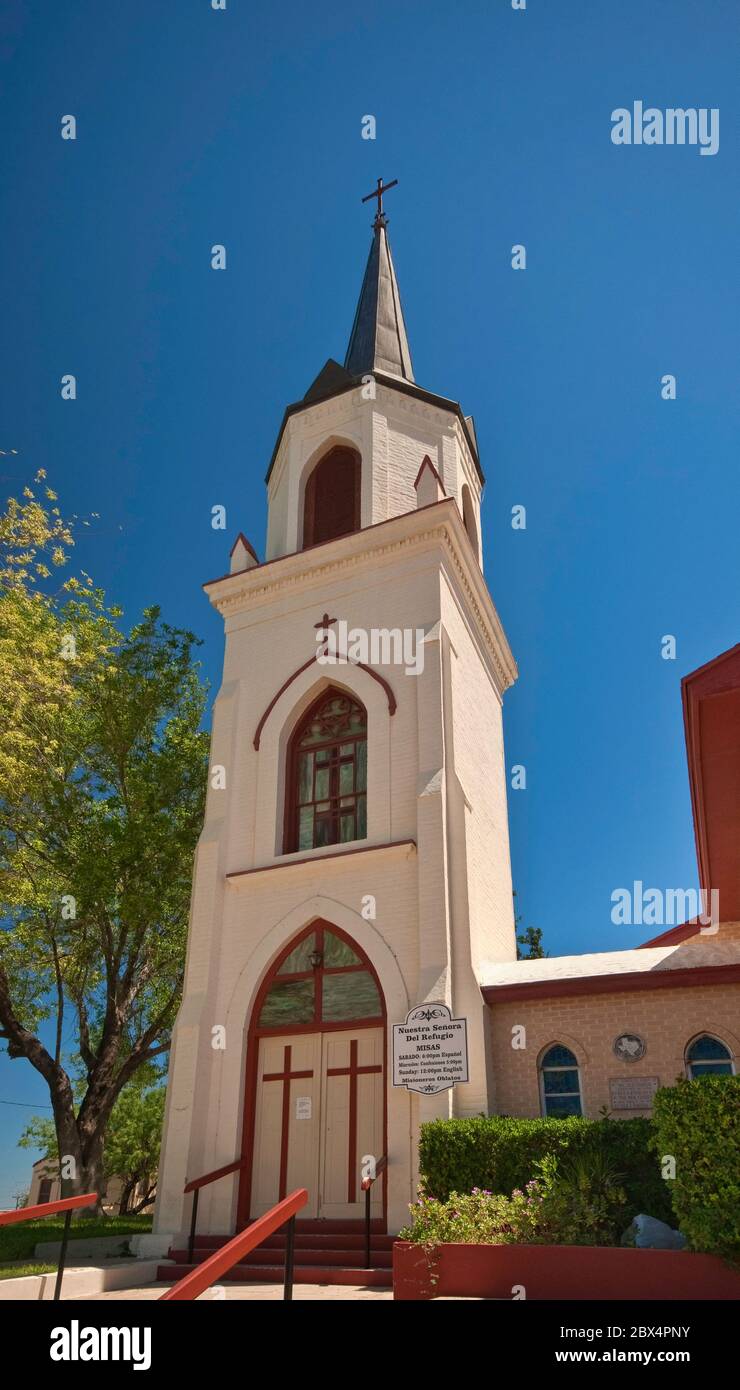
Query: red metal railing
column 380, row 1165
column 221, row 1261
column 67, row 1205
column 7, row 1218
column 195, row 1185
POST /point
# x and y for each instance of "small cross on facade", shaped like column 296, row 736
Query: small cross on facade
column 323, row 628
column 382, row 188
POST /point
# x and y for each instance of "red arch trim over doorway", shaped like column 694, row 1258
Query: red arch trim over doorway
column 255, row 1032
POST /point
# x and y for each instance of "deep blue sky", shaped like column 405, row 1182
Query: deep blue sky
column 244, row 127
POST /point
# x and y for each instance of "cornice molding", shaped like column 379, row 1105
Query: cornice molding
column 345, row 406
column 304, row 863
column 440, row 523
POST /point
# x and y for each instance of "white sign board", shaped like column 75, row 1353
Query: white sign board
column 303, row 1108
column 430, row 1050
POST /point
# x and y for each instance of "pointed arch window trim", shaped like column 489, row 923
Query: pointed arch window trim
column 327, row 756
column 392, row 704
column 559, row 1060
column 363, row 965
column 718, row 1060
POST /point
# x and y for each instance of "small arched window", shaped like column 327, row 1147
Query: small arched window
column 560, row 1082
column 471, row 526
column 321, row 979
column 327, row 775
column 707, row 1056
column 331, row 505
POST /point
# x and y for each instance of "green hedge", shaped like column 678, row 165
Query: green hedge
column 698, row 1124
column 498, row 1153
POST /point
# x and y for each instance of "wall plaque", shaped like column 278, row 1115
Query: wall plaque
column 430, row 1050
column 629, row 1047
column 633, row 1092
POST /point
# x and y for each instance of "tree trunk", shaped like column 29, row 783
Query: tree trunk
column 92, row 1179
column 128, row 1188
column 146, row 1201
column 68, row 1142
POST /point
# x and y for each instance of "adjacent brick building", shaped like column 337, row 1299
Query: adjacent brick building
column 679, row 994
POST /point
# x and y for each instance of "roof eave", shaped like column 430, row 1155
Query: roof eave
column 408, row 388
column 629, row 981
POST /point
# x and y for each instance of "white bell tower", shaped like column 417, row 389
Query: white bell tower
column 361, row 802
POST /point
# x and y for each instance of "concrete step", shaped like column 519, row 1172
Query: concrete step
column 330, row 1241
column 274, row 1274
column 309, row 1228
column 323, row 1255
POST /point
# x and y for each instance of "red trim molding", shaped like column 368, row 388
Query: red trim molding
column 712, row 794
column 614, row 984
column 673, row 936
column 427, row 463
column 392, row 705
column 294, row 554
column 247, row 546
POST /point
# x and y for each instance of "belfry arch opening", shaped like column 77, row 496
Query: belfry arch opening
column 331, row 503
column 469, row 520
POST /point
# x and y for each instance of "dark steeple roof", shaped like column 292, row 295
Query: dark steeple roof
column 378, row 339
column 378, row 345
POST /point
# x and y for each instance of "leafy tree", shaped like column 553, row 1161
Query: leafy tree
column 102, row 781
column 530, row 938
column 132, row 1139
column 132, row 1145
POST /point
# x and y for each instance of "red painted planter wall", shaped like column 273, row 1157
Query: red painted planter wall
column 578, row 1272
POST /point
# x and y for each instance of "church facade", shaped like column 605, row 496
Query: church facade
column 354, row 862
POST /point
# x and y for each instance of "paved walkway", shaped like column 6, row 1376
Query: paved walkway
column 251, row 1293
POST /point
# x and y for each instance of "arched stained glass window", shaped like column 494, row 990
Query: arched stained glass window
column 327, row 775
column 322, row 979
column 560, row 1082
column 707, row 1056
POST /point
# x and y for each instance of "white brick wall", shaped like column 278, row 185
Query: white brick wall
column 392, row 434
column 435, row 777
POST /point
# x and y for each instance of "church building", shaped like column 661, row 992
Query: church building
column 354, row 864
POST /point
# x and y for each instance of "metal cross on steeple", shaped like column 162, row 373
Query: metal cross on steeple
column 379, row 191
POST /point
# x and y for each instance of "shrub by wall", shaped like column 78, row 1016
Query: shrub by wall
column 497, row 1153
column 698, row 1124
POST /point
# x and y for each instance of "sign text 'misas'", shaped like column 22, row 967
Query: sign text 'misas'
column 430, row 1050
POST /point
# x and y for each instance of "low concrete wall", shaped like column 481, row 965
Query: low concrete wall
column 153, row 1245
column 144, row 1246
column 92, row 1248
column 79, row 1281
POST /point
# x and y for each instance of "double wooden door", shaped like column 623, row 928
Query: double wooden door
column 319, row 1111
